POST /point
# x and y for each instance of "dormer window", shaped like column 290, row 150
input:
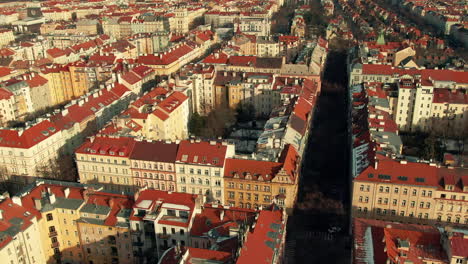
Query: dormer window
column 121, row 154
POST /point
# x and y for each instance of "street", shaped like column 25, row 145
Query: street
column 325, row 180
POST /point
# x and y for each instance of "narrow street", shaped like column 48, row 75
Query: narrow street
column 324, row 183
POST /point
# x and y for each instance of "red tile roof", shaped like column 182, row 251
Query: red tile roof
column 161, row 199
column 266, row 170
column 4, row 71
column 202, row 153
column 131, row 78
column 377, row 241
column 459, row 245
column 173, row 101
column 12, row 212
column 167, row 57
column 212, row 214
column 107, row 146
column 216, row 58
column 197, row 254
column 5, row 94
column 450, row 96
column 157, row 151
column 259, row 245
column 30, row 137
column 36, row 81
column 56, row 52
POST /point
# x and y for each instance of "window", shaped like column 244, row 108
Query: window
column 415, row 192
column 173, row 230
column 49, row 217
column 361, row 188
column 405, row 191
column 381, row 189
column 395, row 202
column 396, row 190
column 413, row 203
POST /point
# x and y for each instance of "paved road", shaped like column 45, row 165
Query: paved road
column 325, row 170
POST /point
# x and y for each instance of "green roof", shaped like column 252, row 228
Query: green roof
column 95, row 209
column 71, row 204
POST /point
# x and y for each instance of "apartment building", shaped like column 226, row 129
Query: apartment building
column 218, row 215
column 153, row 165
column 168, row 62
column 170, row 117
column 58, row 207
column 161, row 220
column 106, row 160
column 409, row 243
column 410, row 192
column 159, row 114
column 7, row 102
column 201, row 79
column 422, row 99
column 200, row 166
column 257, row 183
column 59, row 80
column 104, row 228
column 137, row 77
column 19, row 234
column 6, row 37
column 270, row 222
column 79, row 223
column 26, row 152
column 31, row 93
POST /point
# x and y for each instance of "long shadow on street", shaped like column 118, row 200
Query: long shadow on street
column 323, row 199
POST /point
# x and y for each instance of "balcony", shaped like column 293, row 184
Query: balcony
column 52, row 234
column 55, row 245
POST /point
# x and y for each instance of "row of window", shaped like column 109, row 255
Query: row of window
column 384, row 212
column 199, row 171
column 256, row 187
column 248, row 196
column 396, row 190
column 200, row 181
column 149, row 166
column 155, row 176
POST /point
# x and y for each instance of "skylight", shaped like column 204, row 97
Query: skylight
column 402, row 178
column 384, row 177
